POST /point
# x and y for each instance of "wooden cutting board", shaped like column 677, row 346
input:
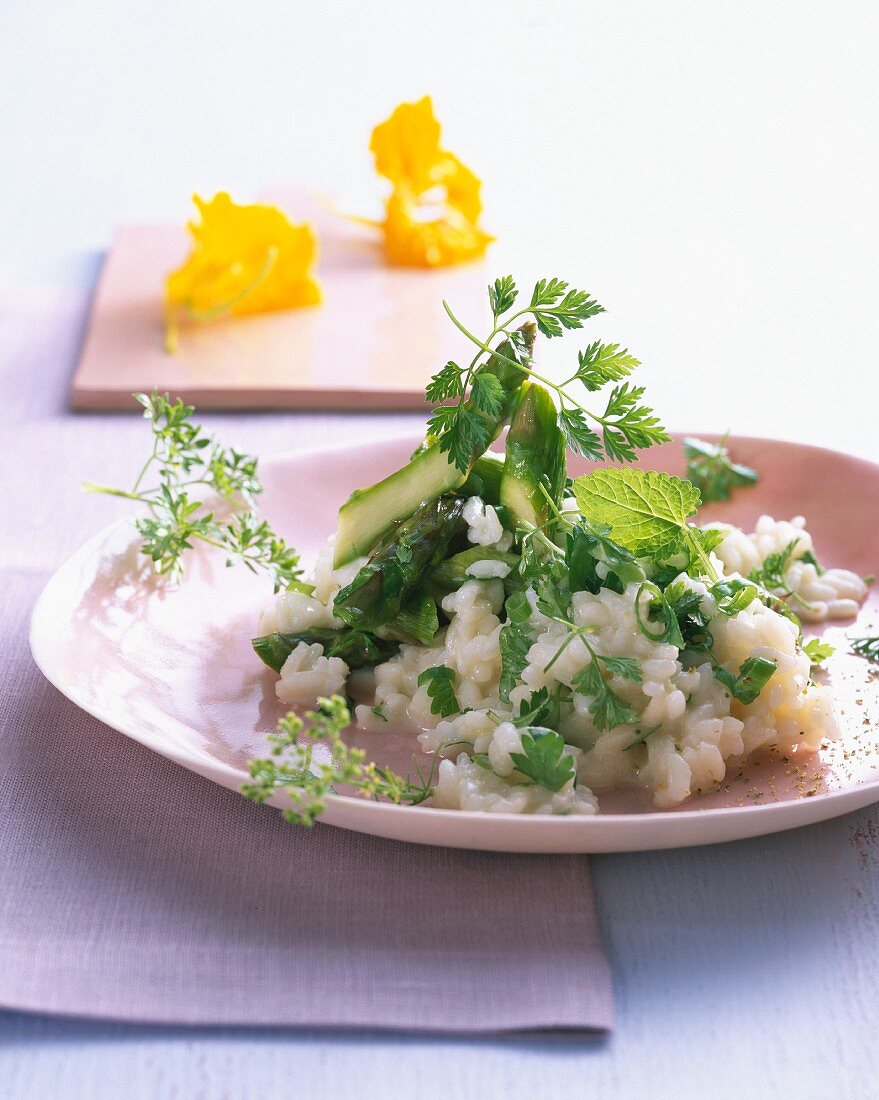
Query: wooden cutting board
column 372, row 344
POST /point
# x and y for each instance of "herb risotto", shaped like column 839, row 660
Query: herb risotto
column 548, row 639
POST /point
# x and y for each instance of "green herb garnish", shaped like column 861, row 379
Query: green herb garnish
column 752, row 677
column 294, row 768
column 818, row 651
column 543, row 759
column 608, row 710
column 440, row 683
column 478, row 395
column 186, row 460
column 713, row 472
column 866, row 647
column 646, row 512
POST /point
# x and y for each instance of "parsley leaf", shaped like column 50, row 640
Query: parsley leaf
column 440, row 683
column 818, row 651
column 608, row 710
column 628, row 425
column 514, row 641
column 602, row 363
column 771, row 573
column 502, row 295
column 713, row 472
column 487, row 394
column 543, row 759
column 539, row 709
column 445, row 384
column 581, row 439
column 555, row 307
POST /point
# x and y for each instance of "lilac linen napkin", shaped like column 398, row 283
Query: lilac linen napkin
column 131, row 889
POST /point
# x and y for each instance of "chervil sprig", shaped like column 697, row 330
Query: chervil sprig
column 307, row 776
column 623, row 427
column 712, row 470
column 188, row 463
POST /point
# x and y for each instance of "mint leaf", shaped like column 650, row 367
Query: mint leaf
column 440, row 683
column 646, row 512
column 543, row 759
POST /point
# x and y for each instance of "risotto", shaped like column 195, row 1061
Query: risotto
column 682, row 726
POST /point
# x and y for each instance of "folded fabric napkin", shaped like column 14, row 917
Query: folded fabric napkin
column 131, row 889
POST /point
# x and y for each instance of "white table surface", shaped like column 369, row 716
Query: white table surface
column 711, row 172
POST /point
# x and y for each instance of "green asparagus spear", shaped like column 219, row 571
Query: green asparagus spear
column 414, row 548
column 357, row 648
column 534, row 468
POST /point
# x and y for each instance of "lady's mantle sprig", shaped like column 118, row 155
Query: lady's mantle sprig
column 188, row 464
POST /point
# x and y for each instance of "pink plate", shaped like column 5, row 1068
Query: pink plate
column 173, row 668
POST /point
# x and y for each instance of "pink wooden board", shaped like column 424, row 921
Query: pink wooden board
column 372, row 344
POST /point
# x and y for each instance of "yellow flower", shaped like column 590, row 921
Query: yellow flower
column 244, row 259
column 433, row 211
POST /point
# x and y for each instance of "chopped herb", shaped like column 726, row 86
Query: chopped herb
column 543, row 759
column 713, row 472
column 867, row 647
column 818, row 651
column 752, row 677
column 641, row 736
column 733, row 596
column 660, row 611
column 440, row 682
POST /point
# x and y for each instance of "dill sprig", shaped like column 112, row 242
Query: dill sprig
column 307, row 777
column 188, row 463
column 625, row 425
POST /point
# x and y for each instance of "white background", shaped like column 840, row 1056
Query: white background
column 707, row 170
